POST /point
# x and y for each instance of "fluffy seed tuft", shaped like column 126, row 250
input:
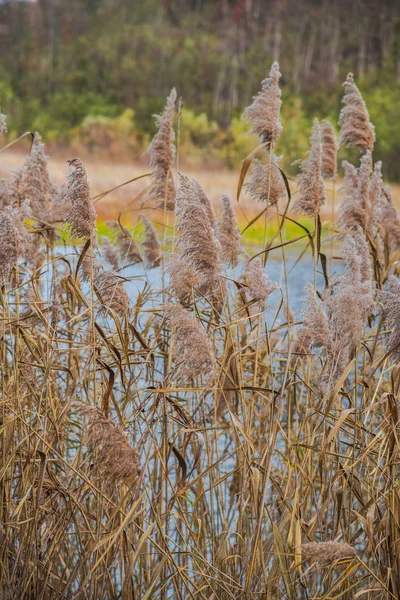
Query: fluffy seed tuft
column 259, row 285
column 310, row 184
column 113, row 456
column 327, row 552
column 82, row 215
column 355, row 126
column 151, row 246
column 263, row 113
column 228, row 234
column 162, row 153
column 192, row 351
column 329, row 150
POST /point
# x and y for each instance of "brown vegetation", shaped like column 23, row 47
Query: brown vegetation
column 195, row 439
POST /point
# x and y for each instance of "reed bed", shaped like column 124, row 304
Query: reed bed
column 195, row 438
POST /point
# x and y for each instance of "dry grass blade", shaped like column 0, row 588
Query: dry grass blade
column 181, row 432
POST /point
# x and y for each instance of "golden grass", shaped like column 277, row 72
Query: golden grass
column 105, row 175
column 255, row 481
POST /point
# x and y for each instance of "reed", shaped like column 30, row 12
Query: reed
column 201, row 436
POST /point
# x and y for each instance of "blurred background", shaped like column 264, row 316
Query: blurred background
column 90, row 74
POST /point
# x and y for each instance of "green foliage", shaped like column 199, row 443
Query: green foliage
column 384, row 108
column 197, row 129
column 64, row 111
column 237, row 144
column 294, row 140
column 117, row 135
column 84, row 60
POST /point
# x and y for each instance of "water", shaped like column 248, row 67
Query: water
column 298, row 272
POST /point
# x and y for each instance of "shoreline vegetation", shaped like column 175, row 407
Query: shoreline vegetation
column 89, row 76
column 202, row 438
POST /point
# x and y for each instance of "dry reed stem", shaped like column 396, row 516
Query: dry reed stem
column 224, row 442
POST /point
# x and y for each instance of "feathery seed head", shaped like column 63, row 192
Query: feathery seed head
column 310, row 183
column 259, row 285
column 355, row 126
column 390, row 220
column 114, row 457
column 112, row 292
column 337, row 323
column 329, row 149
column 125, row 242
column 162, row 153
column 353, row 211
column 182, row 278
column 313, row 332
column 266, row 183
column 350, row 178
column 3, row 124
column 82, row 215
column 196, row 241
column 391, row 306
column 263, row 113
column 192, row 350
column 228, row 233
column 89, row 268
column 205, row 202
column 151, row 246
column 9, row 241
column 328, row 552
column 60, row 207
column 110, row 253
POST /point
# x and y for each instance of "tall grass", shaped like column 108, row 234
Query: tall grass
column 195, row 438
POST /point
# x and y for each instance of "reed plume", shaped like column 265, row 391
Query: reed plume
column 287, row 311
column 112, row 454
column 162, row 153
column 391, row 306
column 111, row 292
column 329, row 150
column 151, row 246
column 196, row 241
column 127, row 247
column 182, row 277
column 310, row 183
column 28, row 244
column 89, row 268
column 55, row 315
column 337, row 323
column 36, row 181
column 263, row 113
column 3, row 124
column 350, row 304
column 82, row 215
column 327, row 552
column 353, row 296
column 228, row 234
column 195, row 196
column 60, row 206
column 31, row 183
column 375, row 212
column 354, row 210
column 350, row 178
column 110, row 253
column 259, row 286
column 9, row 241
column 230, row 416
column 192, row 351
column 205, row 202
column 390, row 220
column 313, row 333
column 355, row 126
column 12, row 190
column 266, row 183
